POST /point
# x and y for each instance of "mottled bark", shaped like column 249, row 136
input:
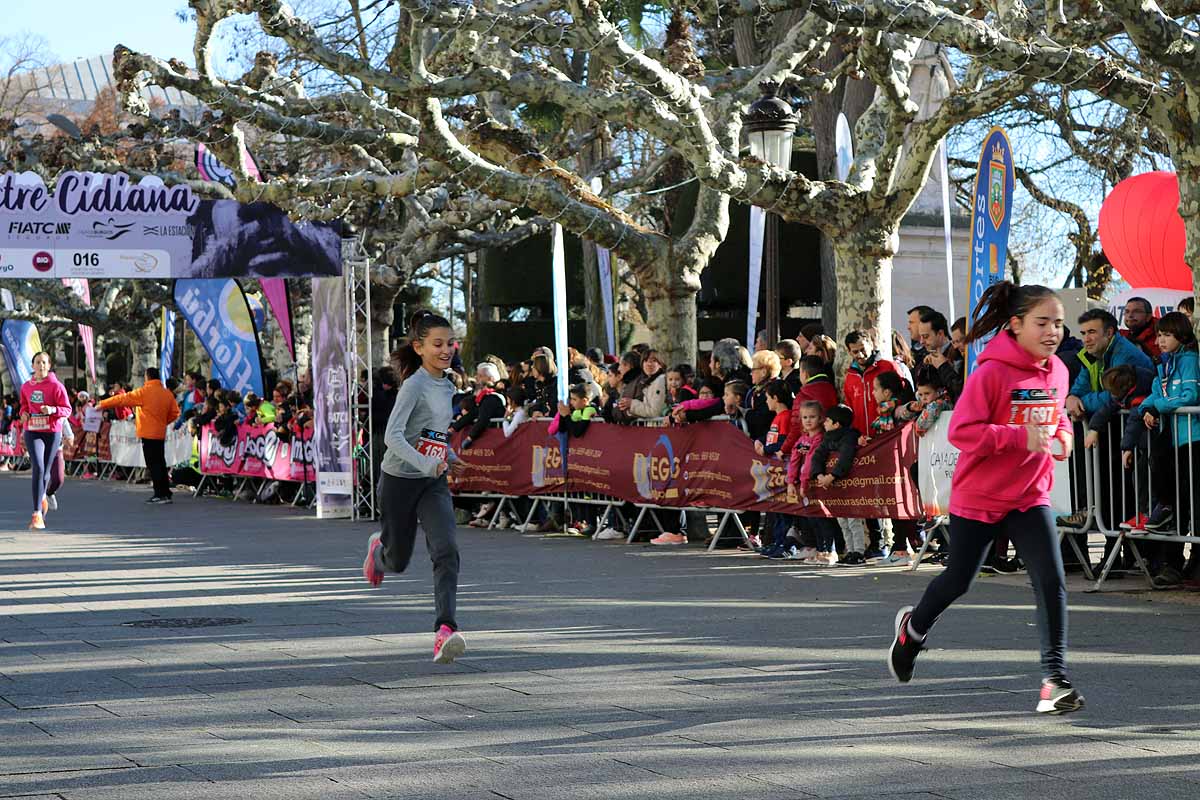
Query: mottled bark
column 864, row 259
column 670, row 295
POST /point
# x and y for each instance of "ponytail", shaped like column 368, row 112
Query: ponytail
column 1001, row 302
column 406, row 360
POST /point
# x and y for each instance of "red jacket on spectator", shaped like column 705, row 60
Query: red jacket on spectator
column 1147, row 339
column 819, row 389
column 858, row 390
column 776, row 438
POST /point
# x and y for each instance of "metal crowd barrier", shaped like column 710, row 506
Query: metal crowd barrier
column 1116, row 496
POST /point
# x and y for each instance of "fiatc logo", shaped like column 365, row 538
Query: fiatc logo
column 655, row 473
column 549, row 465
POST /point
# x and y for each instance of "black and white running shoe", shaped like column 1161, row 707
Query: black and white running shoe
column 1059, row 697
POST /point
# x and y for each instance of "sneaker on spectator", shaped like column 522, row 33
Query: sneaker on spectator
column 504, row 521
column 1076, row 520
column 874, row 552
column 608, row 535
column 790, row 551
column 854, row 558
column 669, row 538
column 902, row 657
column 898, row 559
column 485, row 511
column 1059, row 697
column 823, row 559
column 1134, row 523
column 1167, row 578
column 1161, row 519
column 804, row 553
column 1008, row 566
column 448, row 645
column 754, row 543
column 478, row 522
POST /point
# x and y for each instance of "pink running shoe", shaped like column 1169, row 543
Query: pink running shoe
column 371, row 570
column 669, row 538
column 448, row 645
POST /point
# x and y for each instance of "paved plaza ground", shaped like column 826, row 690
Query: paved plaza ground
column 595, row 670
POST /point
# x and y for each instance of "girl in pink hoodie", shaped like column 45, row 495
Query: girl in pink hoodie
column 1009, row 426
column 44, row 406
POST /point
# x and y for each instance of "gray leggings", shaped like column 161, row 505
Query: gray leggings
column 42, row 447
column 425, row 503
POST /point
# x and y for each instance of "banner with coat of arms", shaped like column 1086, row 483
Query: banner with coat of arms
column 991, row 214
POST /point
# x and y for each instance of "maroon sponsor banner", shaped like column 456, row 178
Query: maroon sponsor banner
column 710, row 464
column 258, row 453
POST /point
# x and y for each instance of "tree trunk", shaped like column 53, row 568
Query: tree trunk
column 864, row 276
column 671, row 312
column 1188, row 172
column 145, row 349
column 383, row 301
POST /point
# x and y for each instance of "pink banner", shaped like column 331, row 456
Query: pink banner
column 281, row 308
column 258, row 453
column 80, row 287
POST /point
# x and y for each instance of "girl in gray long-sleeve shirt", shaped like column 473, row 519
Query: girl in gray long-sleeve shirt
column 413, row 490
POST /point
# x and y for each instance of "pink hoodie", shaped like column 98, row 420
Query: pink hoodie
column 800, row 461
column 996, row 473
column 48, row 392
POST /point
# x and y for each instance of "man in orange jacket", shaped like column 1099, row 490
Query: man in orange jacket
column 156, row 409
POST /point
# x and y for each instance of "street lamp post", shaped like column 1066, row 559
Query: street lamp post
column 770, row 125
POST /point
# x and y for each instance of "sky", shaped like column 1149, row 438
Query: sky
column 77, row 29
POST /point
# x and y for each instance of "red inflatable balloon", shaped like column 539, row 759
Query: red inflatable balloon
column 1142, row 233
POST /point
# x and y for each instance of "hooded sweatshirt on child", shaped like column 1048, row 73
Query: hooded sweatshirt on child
column 996, row 473
column 36, row 396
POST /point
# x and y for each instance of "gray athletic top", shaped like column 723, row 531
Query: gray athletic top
column 417, row 435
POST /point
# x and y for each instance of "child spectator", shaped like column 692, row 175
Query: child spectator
column 679, row 389
column 1128, row 387
column 708, row 399
column 482, row 407
column 779, row 400
column 841, row 439
column 890, row 392
column 817, row 534
column 1177, row 385
column 573, row 419
column 789, row 354
column 515, row 413
column 931, row 400
column 734, row 398
column 226, row 423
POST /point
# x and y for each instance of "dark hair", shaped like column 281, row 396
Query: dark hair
column 544, row 364
column 1117, row 381
column 892, row 382
column 854, row 337
column 251, row 399
column 152, row 373
column 713, row 385
column 579, row 390
column 780, row 391
column 789, row 348
column 737, row 387
column 172, row 383
column 195, row 376
column 419, row 326
column 685, row 371
column 812, row 330
column 595, row 355
column 42, row 353
column 1187, row 304
column 842, row 415
column 1104, row 317
column 386, row 376
column 928, row 375
column 1178, row 325
column 214, row 385
column 1001, row 302
column 813, row 365
column 922, row 310
column 633, row 358
column 960, row 325
column 614, row 369
column 516, row 395
column 1143, row 301
column 936, row 320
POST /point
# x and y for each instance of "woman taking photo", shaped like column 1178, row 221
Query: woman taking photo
column 44, row 406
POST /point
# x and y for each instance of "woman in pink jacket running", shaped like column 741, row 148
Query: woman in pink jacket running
column 44, row 406
column 1009, row 426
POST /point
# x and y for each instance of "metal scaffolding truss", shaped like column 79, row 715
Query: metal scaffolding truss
column 357, row 270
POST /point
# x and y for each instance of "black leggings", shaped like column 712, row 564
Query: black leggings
column 42, row 447
column 1034, row 534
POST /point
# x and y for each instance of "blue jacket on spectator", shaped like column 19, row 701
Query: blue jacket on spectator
column 1177, row 385
column 1087, row 383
